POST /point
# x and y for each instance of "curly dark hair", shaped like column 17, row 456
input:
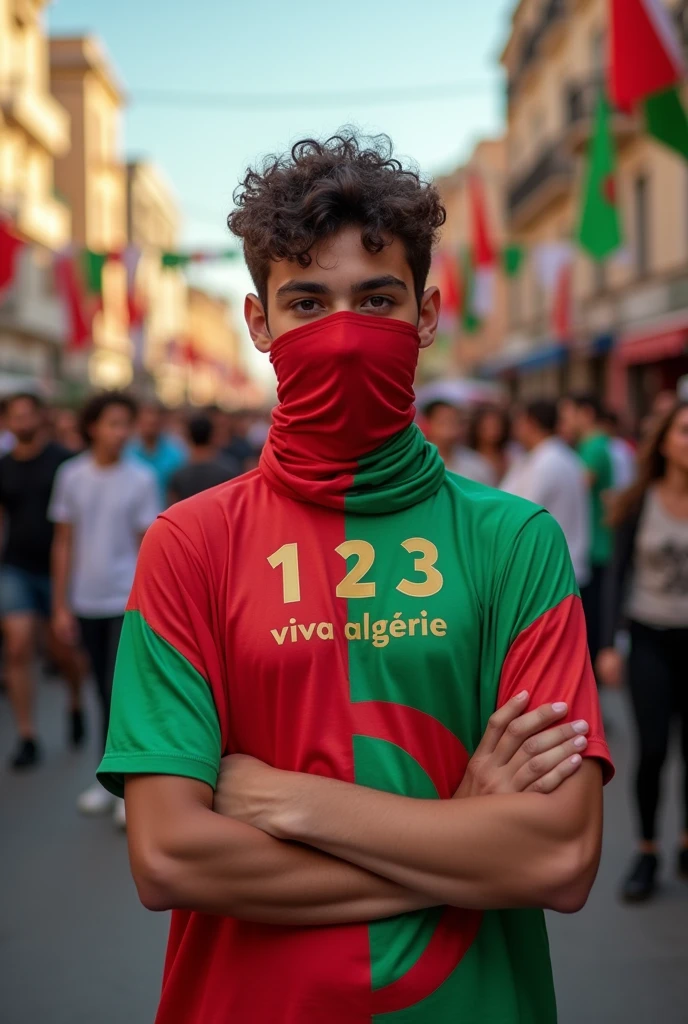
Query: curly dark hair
column 96, row 406
column 295, row 200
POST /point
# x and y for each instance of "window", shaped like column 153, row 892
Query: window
column 641, row 225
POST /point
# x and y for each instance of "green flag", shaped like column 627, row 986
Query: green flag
column 175, row 259
column 92, row 264
column 599, row 231
column 512, row 259
column 469, row 318
column 666, row 120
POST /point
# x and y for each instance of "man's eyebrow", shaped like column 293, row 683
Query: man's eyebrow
column 374, row 283
column 309, row 287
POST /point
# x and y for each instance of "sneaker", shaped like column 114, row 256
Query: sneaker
column 77, row 729
column 27, row 755
column 119, row 815
column 682, row 863
column 94, row 800
column 640, row 883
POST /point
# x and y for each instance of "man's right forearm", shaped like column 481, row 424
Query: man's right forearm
column 219, row 866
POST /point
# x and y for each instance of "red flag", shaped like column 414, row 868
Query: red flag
column 645, row 54
column 449, row 284
column 10, row 247
column 484, row 251
column 562, row 303
column 79, row 315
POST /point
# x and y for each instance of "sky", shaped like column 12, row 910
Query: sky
column 312, row 48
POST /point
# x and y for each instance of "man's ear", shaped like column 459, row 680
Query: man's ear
column 257, row 323
column 428, row 316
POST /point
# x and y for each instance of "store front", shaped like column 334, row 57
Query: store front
column 645, row 363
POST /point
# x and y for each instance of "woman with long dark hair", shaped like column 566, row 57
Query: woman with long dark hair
column 648, row 581
column 489, row 435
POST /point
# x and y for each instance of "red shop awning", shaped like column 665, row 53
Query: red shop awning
column 653, row 346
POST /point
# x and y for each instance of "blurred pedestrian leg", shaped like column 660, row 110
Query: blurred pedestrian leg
column 27, row 473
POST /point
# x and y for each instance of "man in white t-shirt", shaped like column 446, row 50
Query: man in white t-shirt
column 552, row 475
column 102, row 504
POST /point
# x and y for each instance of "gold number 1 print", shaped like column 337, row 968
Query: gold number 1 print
column 288, row 558
column 434, row 580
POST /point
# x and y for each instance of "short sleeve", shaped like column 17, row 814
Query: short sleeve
column 148, row 507
column 60, row 509
column 595, row 456
column 539, row 622
column 168, row 680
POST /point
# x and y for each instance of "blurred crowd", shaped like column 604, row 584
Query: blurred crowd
column 79, row 488
column 621, row 499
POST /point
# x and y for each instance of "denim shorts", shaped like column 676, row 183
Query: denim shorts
column 24, row 592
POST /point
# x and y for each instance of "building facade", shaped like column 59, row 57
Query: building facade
column 628, row 333
column 460, row 351
column 34, row 133
column 92, row 175
column 153, row 226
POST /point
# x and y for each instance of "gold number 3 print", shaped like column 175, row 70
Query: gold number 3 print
column 352, row 586
column 429, row 554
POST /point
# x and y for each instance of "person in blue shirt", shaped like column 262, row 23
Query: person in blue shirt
column 161, row 452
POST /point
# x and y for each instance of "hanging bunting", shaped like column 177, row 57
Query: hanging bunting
column 10, row 247
column 79, row 310
column 172, row 260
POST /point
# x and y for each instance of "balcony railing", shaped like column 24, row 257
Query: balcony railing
column 553, row 12
column 551, row 172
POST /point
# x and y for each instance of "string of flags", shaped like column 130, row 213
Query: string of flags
column 79, row 280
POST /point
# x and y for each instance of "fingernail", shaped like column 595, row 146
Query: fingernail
column 522, row 695
column 559, row 707
column 576, row 759
column 580, row 726
column 580, row 742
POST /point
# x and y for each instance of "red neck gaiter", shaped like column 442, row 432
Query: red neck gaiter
column 345, row 389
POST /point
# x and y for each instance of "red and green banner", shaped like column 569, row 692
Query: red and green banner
column 599, row 231
column 172, row 260
column 647, row 69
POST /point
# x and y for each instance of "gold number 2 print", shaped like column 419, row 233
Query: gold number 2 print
column 353, row 585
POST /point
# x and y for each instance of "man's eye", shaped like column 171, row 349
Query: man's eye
column 378, row 301
column 305, row 305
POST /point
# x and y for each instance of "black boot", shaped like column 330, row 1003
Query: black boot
column 640, row 883
column 682, row 863
column 26, row 755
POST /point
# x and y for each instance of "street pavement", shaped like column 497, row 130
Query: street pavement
column 77, row 948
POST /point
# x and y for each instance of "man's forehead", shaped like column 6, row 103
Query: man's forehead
column 344, row 255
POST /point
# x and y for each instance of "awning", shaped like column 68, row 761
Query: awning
column 526, row 362
column 653, row 346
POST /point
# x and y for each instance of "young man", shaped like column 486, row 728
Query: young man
column 26, row 480
column 553, row 476
column 102, row 504
column 581, row 424
column 205, row 468
column 445, row 427
column 162, row 453
column 344, row 622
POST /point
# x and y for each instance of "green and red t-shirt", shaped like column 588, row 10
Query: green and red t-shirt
column 369, row 643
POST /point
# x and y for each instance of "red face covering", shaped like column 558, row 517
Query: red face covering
column 345, row 389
